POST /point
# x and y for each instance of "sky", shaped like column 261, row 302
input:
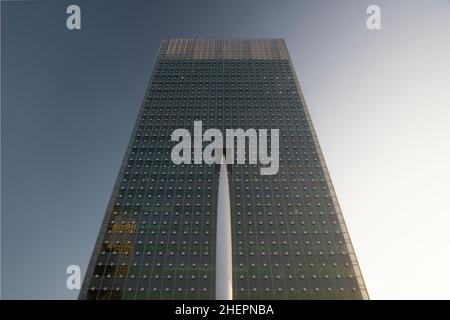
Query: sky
column 379, row 101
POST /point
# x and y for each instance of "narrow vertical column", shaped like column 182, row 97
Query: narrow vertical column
column 224, row 265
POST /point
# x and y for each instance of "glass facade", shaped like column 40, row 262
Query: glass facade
column 289, row 239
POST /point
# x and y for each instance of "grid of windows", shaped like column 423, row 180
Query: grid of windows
column 158, row 237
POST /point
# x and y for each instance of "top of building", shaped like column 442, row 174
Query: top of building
column 223, row 49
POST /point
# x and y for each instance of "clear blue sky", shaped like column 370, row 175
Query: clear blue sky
column 380, row 102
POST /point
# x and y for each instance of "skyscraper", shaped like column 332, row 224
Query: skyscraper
column 158, row 237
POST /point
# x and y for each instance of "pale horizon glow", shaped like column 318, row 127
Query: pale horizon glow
column 386, row 140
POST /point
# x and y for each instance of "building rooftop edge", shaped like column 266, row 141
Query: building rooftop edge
column 227, row 48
